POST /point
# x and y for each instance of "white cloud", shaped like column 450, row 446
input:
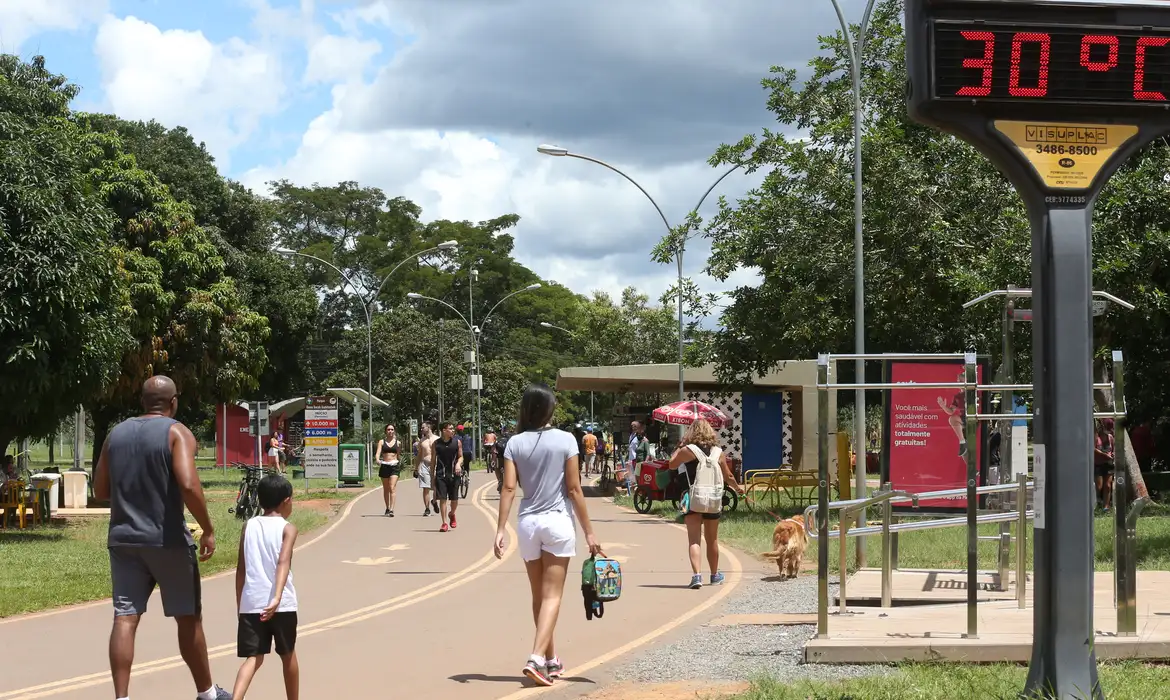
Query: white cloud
column 22, row 19
column 336, row 59
column 220, row 91
column 581, row 225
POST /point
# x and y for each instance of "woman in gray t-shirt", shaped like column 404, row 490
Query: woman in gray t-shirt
column 544, row 461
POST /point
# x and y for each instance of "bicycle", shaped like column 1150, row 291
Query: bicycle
column 464, row 482
column 247, row 498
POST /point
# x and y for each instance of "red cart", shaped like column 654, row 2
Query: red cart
column 656, row 482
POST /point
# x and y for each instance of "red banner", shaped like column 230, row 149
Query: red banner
column 926, row 448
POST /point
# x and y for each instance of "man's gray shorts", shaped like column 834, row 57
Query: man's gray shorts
column 135, row 571
column 424, row 476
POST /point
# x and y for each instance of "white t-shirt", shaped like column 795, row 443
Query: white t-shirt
column 540, row 456
column 263, row 537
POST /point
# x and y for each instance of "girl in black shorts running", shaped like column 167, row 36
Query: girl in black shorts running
column 389, row 468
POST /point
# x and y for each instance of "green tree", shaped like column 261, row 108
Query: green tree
column 63, row 296
column 240, row 225
column 941, row 224
column 190, row 321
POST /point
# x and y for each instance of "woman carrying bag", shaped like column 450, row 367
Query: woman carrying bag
column 544, row 461
column 703, row 466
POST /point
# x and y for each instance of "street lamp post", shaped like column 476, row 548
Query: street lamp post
column 558, row 151
column 367, row 308
column 546, row 324
column 855, row 56
column 474, row 331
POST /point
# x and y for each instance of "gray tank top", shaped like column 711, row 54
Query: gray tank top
column 146, row 505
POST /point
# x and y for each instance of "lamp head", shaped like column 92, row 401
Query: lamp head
column 448, row 245
column 530, row 287
column 551, row 150
column 285, row 251
column 413, row 295
column 546, row 324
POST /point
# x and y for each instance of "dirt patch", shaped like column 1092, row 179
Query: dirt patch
column 689, row 690
column 324, row 506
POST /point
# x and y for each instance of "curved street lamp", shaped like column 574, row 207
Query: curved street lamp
column 367, row 307
column 475, row 332
column 561, row 152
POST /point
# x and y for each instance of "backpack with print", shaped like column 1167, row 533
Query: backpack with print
column 706, row 493
column 601, row 583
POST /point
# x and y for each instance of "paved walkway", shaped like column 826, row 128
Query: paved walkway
column 391, row 606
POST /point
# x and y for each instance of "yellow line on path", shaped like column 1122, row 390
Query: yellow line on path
column 733, row 579
column 106, row 601
column 482, row 566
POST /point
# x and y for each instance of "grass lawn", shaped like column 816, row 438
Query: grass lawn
column 944, row 548
column 1120, row 681
column 46, row 567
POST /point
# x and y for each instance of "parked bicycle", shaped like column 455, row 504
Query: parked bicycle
column 247, row 499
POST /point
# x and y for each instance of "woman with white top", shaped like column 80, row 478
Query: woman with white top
column 544, row 461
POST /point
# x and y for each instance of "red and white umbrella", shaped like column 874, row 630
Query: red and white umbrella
column 687, row 412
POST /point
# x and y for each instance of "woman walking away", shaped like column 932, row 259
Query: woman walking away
column 545, row 462
column 701, row 460
column 389, row 468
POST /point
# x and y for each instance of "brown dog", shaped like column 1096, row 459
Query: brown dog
column 789, row 541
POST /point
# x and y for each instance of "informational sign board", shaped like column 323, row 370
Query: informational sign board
column 351, row 463
column 321, row 437
column 925, row 446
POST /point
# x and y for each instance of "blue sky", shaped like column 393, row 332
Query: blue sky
column 71, row 52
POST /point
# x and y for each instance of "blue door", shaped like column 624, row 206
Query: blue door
column 763, row 431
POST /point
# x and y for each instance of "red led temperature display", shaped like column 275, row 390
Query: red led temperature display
column 1057, row 63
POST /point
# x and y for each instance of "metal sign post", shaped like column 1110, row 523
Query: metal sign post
column 1005, row 76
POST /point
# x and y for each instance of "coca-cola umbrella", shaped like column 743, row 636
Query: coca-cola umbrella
column 687, row 412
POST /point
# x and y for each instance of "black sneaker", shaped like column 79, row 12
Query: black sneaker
column 389, row 513
column 426, row 512
column 538, row 674
column 435, row 504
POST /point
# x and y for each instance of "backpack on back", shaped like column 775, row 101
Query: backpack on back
column 706, row 493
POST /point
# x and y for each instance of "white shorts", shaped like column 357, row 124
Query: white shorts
column 424, row 476
column 553, row 531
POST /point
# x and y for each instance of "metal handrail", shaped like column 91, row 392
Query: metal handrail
column 882, row 497
column 859, row 503
column 996, row 517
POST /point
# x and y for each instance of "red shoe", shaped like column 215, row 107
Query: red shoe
column 443, row 527
column 453, row 525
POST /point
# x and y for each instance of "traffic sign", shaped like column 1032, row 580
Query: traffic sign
column 1005, row 77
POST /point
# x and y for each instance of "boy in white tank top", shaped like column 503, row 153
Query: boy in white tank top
column 265, row 597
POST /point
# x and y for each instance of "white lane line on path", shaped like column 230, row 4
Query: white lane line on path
column 733, row 579
column 482, row 566
column 106, row 601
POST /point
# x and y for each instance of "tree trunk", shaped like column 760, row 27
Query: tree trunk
column 52, row 447
column 101, row 428
column 1103, row 399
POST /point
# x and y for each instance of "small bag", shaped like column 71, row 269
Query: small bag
column 601, row 583
column 706, row 494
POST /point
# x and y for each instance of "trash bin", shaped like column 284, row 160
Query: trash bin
column 51, row 483
column 76, row 488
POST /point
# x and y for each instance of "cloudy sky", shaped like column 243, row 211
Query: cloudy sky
column 445, row 102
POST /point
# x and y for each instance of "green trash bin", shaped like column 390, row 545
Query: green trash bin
column 351, row 464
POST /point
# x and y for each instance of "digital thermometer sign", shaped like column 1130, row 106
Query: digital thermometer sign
column 1050, row 63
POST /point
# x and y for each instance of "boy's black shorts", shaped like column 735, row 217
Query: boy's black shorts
column 255, row 636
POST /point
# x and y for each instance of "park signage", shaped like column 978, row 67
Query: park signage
column 321, row 437
column 1058, row 94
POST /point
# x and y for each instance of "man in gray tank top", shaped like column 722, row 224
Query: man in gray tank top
column 147, row 472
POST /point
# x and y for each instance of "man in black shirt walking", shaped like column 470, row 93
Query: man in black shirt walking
column 448, row 469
